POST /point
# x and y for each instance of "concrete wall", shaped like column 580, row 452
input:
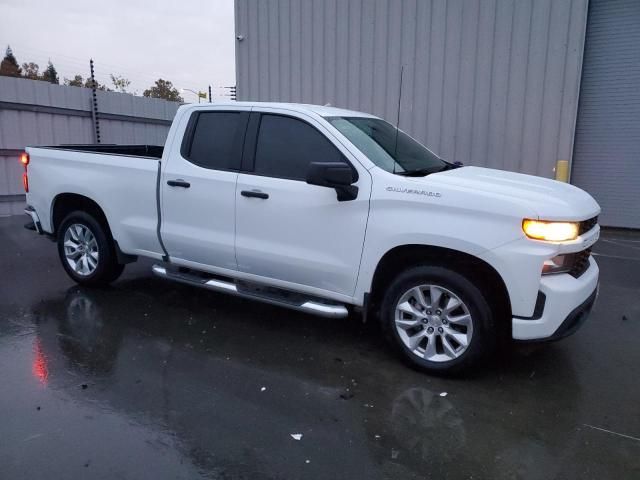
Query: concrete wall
column 39, row 113
column 486, row 82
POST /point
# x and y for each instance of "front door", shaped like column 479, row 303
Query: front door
column 292, row 232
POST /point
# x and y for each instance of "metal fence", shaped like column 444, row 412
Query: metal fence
column 39, row 113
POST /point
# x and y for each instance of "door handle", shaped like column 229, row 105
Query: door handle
column 254, row 194
column 178, row 183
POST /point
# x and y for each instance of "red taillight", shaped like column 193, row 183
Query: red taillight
column 24, row 160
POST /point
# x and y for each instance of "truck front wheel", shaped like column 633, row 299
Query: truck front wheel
column 437, row 319
column 87, row 250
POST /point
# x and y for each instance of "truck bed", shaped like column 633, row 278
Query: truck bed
column 121, row 179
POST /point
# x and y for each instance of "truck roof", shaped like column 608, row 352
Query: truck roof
column 322, row 110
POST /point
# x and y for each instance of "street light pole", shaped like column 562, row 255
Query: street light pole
column 197, row 94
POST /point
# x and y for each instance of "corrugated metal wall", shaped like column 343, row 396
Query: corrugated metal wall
column 486, row 82
column 39, row 113
column 607, row 147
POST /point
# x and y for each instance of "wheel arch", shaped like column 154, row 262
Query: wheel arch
column 65, row 203
column 402, row 257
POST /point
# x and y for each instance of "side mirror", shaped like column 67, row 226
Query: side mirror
column 337, row 175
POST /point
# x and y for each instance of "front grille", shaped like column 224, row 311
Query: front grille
column 580, row 263
column 587, row 225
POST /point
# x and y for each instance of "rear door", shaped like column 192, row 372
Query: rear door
column 295, row 234
column 198, row 186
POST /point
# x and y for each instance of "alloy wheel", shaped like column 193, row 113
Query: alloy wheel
column 81, row 249
column 433, row 323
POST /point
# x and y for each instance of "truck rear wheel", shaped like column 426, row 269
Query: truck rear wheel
column 87, row 250
column 437, row 319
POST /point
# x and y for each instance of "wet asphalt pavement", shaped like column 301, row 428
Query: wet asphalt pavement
column 149, row 379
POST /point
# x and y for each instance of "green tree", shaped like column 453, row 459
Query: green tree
column 31, row 70
column 78, row 81
column 120, row 83
column 51, row 74
column 163, row 89
column 9, row 66
column 99, row 86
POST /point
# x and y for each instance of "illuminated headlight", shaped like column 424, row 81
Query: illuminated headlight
column 550, row 231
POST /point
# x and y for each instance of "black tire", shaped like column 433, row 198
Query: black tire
column 107, row 269
column 482, row 339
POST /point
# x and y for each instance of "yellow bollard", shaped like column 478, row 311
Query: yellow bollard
column 562, row 170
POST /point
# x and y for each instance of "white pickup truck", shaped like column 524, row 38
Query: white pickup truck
column 325, row 211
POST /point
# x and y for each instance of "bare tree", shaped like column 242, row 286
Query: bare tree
column 120, row 83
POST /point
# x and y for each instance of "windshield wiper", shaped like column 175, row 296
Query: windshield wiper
column 419, row 172
column 422, row 172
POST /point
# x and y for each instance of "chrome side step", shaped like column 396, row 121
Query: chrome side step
column 242, row 289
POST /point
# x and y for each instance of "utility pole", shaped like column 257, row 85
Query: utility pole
column 94, row 105
column 198, row 94
column 210, row 101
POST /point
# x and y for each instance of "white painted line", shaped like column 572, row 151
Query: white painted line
column 620, row 239
column 613, row 433
column 615, row 256
column 620, row 244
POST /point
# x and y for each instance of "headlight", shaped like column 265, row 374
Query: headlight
column 550, row 231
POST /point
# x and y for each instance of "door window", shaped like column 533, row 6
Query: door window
column 286, row 146
column 215, row 139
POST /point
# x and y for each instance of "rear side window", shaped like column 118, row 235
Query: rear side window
column 215, row 140
column 286, row 146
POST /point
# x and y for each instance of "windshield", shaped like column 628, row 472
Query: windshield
column 377, row 140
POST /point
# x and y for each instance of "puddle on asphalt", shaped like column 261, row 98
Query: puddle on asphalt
column 125, row 383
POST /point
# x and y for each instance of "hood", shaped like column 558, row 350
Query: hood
column 552, row 200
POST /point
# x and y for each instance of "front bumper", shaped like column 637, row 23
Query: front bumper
column 567, row 303
column 576, row 318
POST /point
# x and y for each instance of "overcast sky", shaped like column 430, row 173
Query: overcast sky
column 189, row 42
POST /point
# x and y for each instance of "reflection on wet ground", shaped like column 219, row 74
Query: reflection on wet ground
column 148, row 379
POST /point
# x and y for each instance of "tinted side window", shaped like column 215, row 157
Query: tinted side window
column 286, row 146
column 215, row 140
